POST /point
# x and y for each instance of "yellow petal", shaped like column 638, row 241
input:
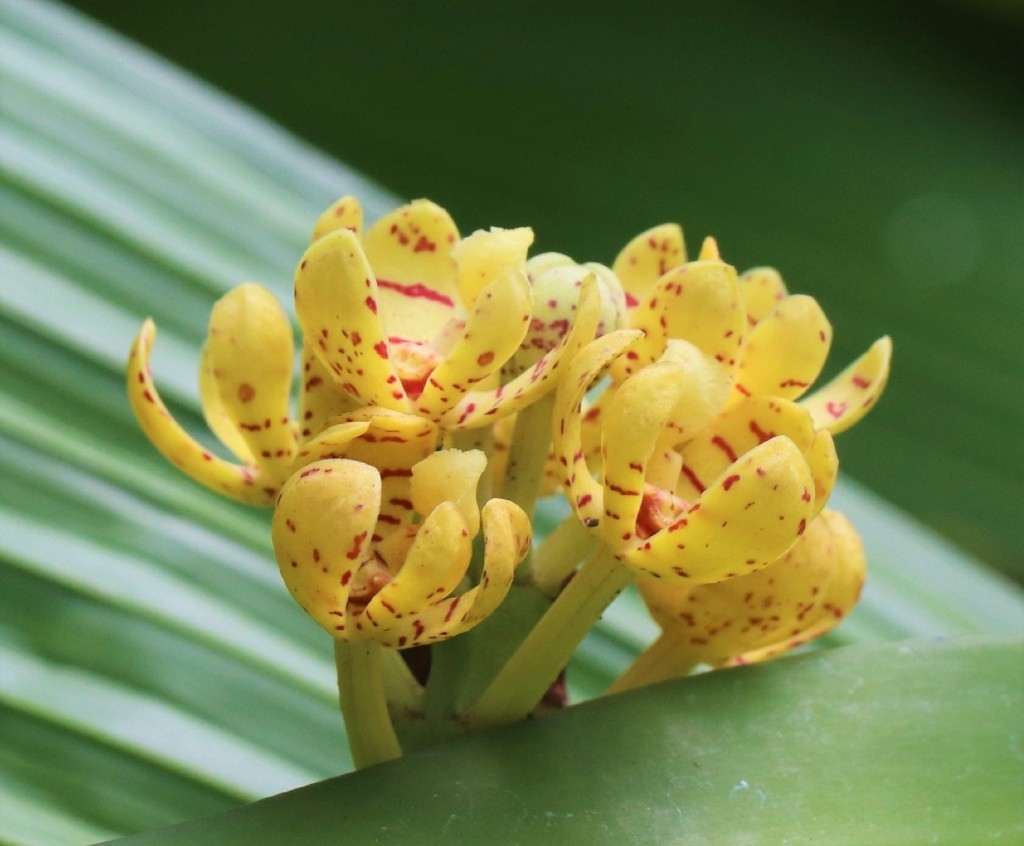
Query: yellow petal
column 557, row 282
column 823, row 462
column 507, row 538
column 749, row 516
column 738, row 430
column 848, row 397
column 175, row 444
column 246, row 378
column 410, row 251
column 836, row 557
column 332, row 442
column 433, row 568
column 506, row 542
column 709, row 250
column 346, row 213
column 785, row 352
column 393, row 443
column 798, row 597
column 648, row 257
column 492, row 334
column 585, row 493
column 763, row 289
column 481, row 408
column 320, row 397
column 321, row 531
column 336, row 302
column 661, row 405
column 699, row 302
column 485, row 255
column 450, row 475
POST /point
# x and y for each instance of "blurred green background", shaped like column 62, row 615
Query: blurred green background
column 874, row 153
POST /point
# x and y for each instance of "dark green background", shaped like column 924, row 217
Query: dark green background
column 872, row 152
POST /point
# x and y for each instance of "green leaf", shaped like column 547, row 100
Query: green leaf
column 845, row 747
column 152, row 668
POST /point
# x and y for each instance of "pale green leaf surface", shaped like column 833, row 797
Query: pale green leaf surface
column 845, row 747
column 152, row 667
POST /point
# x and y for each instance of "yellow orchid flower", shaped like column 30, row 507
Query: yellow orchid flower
column 772, row 343
column 413, row 319
column 750, row 511
column 245, row 381
column 403, row 589
column 800, row 597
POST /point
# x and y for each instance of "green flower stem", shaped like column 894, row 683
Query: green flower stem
column 526, row 676
column 666, row 658
column 371, row 736
column 531, row 443
column 556, row 557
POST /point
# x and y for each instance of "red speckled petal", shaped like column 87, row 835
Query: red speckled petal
column 665, row 403
column 480, row 408
column 176, row 445
column 738, row 430
column 492, row 335
column 852, row 394
column 246, row 378
column 699, row 302
column 506, row 542
column 823, row 460
column 796, row 598
column 485, row 255
column 320, row 397
column 785, row 352
column 321, row 531
column 648, row 257
column 332, row 442
column 410, row 251
column 346, row 213
column 762, row 289
column 394, row 443
column 747, row 517
column 585, row 493
column 336, row 302
column 433, row 568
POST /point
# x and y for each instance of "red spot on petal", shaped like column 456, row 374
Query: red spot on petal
column 730, row 481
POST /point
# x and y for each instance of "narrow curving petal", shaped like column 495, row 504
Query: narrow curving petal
column 698, row 302
column 648, row 257
column 246, row 377
column 737, row 430
column 584, row 491
column 847, row 398
column 336, row 302
column 483, row 256
column 449, row 475
column 481, row 408
column 785, row 352
column 745, row 519
column 762, row 289
column 493, row 331
column 320, row 397
column 236, row 481
column 635, row 421
column 435, row 564
column 346, row 213
column 321, row 531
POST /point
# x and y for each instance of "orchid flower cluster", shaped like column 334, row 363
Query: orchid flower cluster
column 447, row 383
